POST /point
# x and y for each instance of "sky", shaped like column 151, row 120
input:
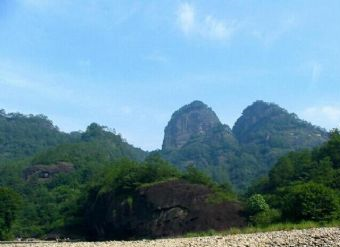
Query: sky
column 129, row 65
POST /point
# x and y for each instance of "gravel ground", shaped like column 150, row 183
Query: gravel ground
column 311, row 237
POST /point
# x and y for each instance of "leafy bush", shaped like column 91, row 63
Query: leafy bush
column 265, row 217
column 311, row 201
column 256, row 204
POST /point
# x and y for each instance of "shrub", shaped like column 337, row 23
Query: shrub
column 256, row 204
column 311, row 201
column 265, row 217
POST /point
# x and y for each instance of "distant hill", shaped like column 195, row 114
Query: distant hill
column 25, row 135
column 96, row 145
column 28, row 135
column 269, row 131
column 264, row 132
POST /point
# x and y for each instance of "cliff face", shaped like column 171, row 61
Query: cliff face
column 195, row 119
column 195, row 135
column 165, row 209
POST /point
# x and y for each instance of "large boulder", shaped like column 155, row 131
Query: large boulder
column 166, row 209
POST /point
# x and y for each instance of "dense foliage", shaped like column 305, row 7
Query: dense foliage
column 22, row 136
column 305, row 185
column 9, row 205
column 51, row 194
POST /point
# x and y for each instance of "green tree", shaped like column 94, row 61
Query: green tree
column 332, row 148
column 193, row 175
column 256, row 203
column 9, row 205
column 311, row 201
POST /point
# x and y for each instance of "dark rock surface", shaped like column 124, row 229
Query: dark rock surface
column 45, row 172
column 166, row 209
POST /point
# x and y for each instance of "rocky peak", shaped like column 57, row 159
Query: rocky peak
column 190, row 120
column 255, row 113
column 261, row 121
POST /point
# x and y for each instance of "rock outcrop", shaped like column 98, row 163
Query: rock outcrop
column 195, row 135
column 165, row 209
column 46, row 172
column 191, row 120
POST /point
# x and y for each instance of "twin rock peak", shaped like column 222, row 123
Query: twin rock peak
column 263, row 133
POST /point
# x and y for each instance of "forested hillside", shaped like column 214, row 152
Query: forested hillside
column 301, row 186
column 25, row 135
column 51, row 182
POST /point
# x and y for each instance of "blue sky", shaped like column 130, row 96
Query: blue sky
column 129, row 64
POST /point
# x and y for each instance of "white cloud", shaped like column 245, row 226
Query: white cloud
column 316, row 71
column 206, row 26
column 186, row 17
column 216, row 29
column 325, row 116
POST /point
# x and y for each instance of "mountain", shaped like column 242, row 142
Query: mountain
column 25, row 135
column 195, row 119
column 195, row 135
column 97, row 144
column 269, row 131
column 264, row 132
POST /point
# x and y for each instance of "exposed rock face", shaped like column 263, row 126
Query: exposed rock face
column 191, row 120
column 195, row 135
column 263, row 133
column 165, row 209
column 44, row 172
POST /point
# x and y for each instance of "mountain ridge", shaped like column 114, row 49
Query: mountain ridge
column 263, row 133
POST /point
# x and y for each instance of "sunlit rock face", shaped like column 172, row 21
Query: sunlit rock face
column 189, row 121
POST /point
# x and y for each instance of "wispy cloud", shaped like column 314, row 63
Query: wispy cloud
column 186, row 17
column 312, row 70
column 327, row 116
column 316, row 71
column 206, row 26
